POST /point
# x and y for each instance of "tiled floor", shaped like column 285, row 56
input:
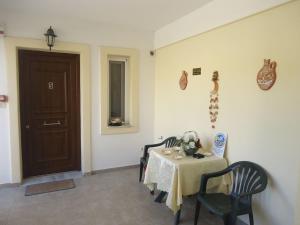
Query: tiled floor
column 109, row 198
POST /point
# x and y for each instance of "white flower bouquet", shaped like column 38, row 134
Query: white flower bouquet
column 189, row 142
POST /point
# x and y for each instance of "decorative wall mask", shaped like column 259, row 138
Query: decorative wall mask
column 214, row 100
column 266, row 76
column 183, row 80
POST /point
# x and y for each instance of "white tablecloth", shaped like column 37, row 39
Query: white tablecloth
column 182, row 177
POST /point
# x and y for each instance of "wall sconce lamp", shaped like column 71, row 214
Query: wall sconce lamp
column 50, row 37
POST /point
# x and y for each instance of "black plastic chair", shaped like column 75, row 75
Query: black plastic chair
column 169, row 142
column 248, row 179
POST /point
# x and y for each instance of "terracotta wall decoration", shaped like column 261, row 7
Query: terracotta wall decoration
column 266, row 76
column 214, row 100
column 183, row 80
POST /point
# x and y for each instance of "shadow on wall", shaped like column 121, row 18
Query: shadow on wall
column 260, row 201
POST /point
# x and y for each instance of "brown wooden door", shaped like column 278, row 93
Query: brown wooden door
column 50, row 112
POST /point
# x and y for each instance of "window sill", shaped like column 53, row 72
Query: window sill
column 124, row 129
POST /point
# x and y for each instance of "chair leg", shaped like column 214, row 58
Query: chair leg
column 198, row 205
column 226, row 221
column 230, row 220
column 141, row 171
column 251, row 218
column 160, row 197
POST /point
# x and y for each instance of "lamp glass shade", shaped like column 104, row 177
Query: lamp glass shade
column 50, row 37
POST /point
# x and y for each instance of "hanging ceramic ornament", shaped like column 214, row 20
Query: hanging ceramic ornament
column 266, row 76
column 214, row 100
column 183, row 80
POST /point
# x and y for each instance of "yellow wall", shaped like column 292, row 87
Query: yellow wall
column 262, row 126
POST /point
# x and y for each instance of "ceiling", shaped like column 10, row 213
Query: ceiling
column 147, row 15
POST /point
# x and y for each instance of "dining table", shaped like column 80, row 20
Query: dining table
column 176, row 176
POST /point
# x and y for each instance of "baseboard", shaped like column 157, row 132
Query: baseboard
column 112, row 169
column 6, row 185
column 10, row 185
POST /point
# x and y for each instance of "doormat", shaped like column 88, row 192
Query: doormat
column 52, row 186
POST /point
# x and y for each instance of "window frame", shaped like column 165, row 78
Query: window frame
column 132, row 95
column 124, row 86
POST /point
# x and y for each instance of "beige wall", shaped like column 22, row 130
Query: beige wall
column 262, row 126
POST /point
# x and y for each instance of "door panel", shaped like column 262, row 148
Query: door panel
column 50, row 112
column 57, row 141
column 50, row 92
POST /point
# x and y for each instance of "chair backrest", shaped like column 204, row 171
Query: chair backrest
column 170, row 142
column 248, row 178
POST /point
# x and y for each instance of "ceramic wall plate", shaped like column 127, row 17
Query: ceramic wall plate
column 266, row 76
column 183, row 80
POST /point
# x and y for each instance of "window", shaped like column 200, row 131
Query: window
column 119, row 90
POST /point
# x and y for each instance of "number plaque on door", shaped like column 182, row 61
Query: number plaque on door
column 50, row 85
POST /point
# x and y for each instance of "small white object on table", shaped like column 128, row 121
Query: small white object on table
column 181, row 177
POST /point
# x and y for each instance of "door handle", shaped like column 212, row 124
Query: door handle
column 52, row 124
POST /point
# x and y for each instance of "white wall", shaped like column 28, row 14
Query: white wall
column 110, row 150
column 214, row 14
column 262, row 126
column 4, row 128
column 297, row 217
column 124, row 149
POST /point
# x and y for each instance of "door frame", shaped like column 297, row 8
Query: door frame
column 72, row 103
column 12, row 45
